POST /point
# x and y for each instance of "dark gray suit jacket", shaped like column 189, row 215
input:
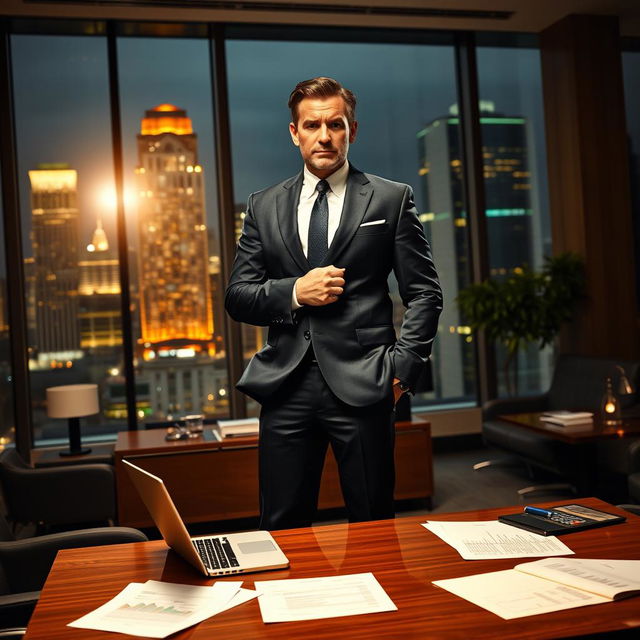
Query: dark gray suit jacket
column 353, row 339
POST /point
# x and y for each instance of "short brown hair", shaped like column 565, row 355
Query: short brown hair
column 321, row 88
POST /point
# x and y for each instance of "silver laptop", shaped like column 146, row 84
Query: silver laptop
column 211, row 555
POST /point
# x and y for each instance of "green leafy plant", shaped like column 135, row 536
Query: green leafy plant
column 526, row 306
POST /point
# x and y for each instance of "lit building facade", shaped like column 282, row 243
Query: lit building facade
column 512, row 237
column 99, row 295
column 172, row 236
column 177, row 347
column 54, row 238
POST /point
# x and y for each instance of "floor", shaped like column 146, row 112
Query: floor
column 459, row 488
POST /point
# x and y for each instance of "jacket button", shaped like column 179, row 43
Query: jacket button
column 307, row 335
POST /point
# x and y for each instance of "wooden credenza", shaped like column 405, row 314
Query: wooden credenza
column 211, row 480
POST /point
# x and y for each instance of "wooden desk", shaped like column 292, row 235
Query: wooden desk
column 101, row 453
column 403, row 556
column 211, row 480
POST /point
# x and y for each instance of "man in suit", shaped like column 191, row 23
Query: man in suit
column 312, row 264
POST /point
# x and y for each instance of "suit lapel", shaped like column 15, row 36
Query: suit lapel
column 287, row 211
column 356, row 201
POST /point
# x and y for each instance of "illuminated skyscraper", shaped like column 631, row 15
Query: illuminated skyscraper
column 172, row 248
column 54, row 238
column 99, row 291
column 508, row 193
column 179, row 363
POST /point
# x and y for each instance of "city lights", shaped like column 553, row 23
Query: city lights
column 75, row 284
column 107, row 198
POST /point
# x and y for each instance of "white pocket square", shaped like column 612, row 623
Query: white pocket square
column 370, row 224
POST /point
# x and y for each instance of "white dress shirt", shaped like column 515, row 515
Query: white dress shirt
column 335, row 200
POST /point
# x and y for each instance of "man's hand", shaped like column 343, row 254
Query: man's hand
column 397, row 391
column 320, row 286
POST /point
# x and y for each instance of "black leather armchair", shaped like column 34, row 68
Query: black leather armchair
column 65, row 495
column 25, row 564
column 634, row 479
column 577, row 384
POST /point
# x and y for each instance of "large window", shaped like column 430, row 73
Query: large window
column 7, row 429
column 69, row 238
column 404, row 92
column 172, row 227
column 409, row 131
column 514, row 163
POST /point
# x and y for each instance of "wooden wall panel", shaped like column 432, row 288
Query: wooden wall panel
column 588, row 163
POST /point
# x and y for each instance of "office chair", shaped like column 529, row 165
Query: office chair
column 65, row 495
column 25, row 564
column 578, row 383
column 634, row 486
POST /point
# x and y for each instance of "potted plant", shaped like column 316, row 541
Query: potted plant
column 525, row 306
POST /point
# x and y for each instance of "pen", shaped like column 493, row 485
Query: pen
column 534, row 511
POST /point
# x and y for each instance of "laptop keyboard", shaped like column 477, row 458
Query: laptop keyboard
column 216, row 553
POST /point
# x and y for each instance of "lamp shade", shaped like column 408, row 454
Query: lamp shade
column 72, row 401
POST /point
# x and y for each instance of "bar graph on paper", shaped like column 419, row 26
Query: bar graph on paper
column 141, row 611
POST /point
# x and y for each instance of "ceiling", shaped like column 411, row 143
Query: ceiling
column 490, row 15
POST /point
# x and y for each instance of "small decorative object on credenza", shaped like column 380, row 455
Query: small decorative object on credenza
column 610, row 406
column 73, row 401
column 194, row 424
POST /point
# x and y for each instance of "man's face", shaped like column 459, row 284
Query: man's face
column 323, row 134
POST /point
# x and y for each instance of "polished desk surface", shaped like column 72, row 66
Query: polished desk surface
column 628, row 427
column 153, row 440
column 101, row 453
column 403, row 556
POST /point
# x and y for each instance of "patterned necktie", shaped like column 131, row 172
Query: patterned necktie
column 318, row 246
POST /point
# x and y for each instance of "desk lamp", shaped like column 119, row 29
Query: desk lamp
column 73, row 401
column 611, row 412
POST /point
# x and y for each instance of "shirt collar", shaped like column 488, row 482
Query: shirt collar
column 337, row 181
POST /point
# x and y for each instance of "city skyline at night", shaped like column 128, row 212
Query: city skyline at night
column 75, row 127
column 178, row 369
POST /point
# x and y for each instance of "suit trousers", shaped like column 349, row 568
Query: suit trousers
column 296, row 426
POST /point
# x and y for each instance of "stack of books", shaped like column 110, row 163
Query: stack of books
column 236, row 428
column 568, row 420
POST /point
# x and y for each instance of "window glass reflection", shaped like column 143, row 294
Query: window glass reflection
column 514, row 163
column 631, row 74
column 172, row 227
column 7, row 427
column 68, row 221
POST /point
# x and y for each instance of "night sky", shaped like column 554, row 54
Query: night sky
column 62, row 107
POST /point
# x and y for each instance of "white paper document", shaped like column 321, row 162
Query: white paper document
column 552, row 584
column 612, row 579
column 512, row 594
column 158, row 609
column 491, row 540
column 314, row 598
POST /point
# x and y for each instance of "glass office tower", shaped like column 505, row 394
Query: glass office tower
column 509, row 206
column 54, row 208
column 176, row 343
